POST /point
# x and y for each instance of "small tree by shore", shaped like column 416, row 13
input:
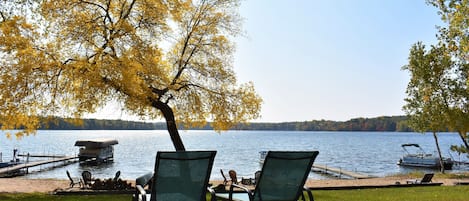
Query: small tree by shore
column 438, row 91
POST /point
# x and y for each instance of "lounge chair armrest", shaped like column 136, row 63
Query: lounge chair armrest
column 241, row 187
column 310, row 194
column 140, row 194
column 144, row 179
column 212, row 194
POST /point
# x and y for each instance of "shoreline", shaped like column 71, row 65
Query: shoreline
column 20, row 185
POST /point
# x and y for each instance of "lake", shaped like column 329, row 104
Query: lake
column 373, row 153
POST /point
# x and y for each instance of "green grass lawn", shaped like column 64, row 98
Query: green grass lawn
column 47, row 197
column 436, row 193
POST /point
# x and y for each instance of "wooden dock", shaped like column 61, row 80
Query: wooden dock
column 41, row 156
column 339, row 171
column 18, row 167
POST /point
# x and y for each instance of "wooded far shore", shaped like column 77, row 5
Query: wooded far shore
column 384, row 123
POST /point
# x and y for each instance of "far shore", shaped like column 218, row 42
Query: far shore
column 21, row 185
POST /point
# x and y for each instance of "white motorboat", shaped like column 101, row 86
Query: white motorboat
column 422, row 159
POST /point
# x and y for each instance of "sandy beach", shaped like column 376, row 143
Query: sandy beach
column 19, row 185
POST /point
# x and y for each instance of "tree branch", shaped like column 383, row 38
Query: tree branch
column 94, row 4
column 159, row 92
column 126, row 15
column 187, row 85
column 182, row 66
column 3, row 16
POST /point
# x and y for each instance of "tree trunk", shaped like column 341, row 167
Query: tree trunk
column 170, row 124
column 442, row 166
column 463, row 135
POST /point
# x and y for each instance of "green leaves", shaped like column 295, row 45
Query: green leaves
column 438, row 91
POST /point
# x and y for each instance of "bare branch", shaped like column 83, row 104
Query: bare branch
column 3, row 16
column 94, row 4
column 160, row 92
column 126, row 15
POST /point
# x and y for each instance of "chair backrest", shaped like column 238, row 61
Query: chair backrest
column 116, row 177
column 86, row 177
column 182, row 175
column 233, row 177
column 257, row 174
column 283, row 175
column 427, row 178
column 144, row 179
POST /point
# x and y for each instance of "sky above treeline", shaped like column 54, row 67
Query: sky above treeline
column 327, row 59
column 334, row 59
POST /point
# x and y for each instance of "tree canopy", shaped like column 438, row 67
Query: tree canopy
column 428, row 89
column 438, row 92
column 159, row 58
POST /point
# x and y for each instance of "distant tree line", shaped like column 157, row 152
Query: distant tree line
column 394, row 123
column 98, row 124
column 385, row 123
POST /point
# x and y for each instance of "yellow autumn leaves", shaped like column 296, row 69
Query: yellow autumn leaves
column 136, row 52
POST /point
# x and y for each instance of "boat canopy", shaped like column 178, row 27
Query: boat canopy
column 96, row 143
column 410, row 145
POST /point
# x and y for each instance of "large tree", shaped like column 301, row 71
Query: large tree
column 159, row 58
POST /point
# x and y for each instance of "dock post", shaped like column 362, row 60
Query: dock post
column 340, row 172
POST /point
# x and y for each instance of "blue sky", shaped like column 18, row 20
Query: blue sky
column 330, row 59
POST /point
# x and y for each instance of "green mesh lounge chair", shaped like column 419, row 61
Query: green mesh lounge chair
column 282, row 178
column 427, row 178
column 178, row 176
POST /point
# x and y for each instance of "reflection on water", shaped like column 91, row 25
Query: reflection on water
column 374, row 153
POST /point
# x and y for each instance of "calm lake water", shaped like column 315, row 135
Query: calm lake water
column 373, row 153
